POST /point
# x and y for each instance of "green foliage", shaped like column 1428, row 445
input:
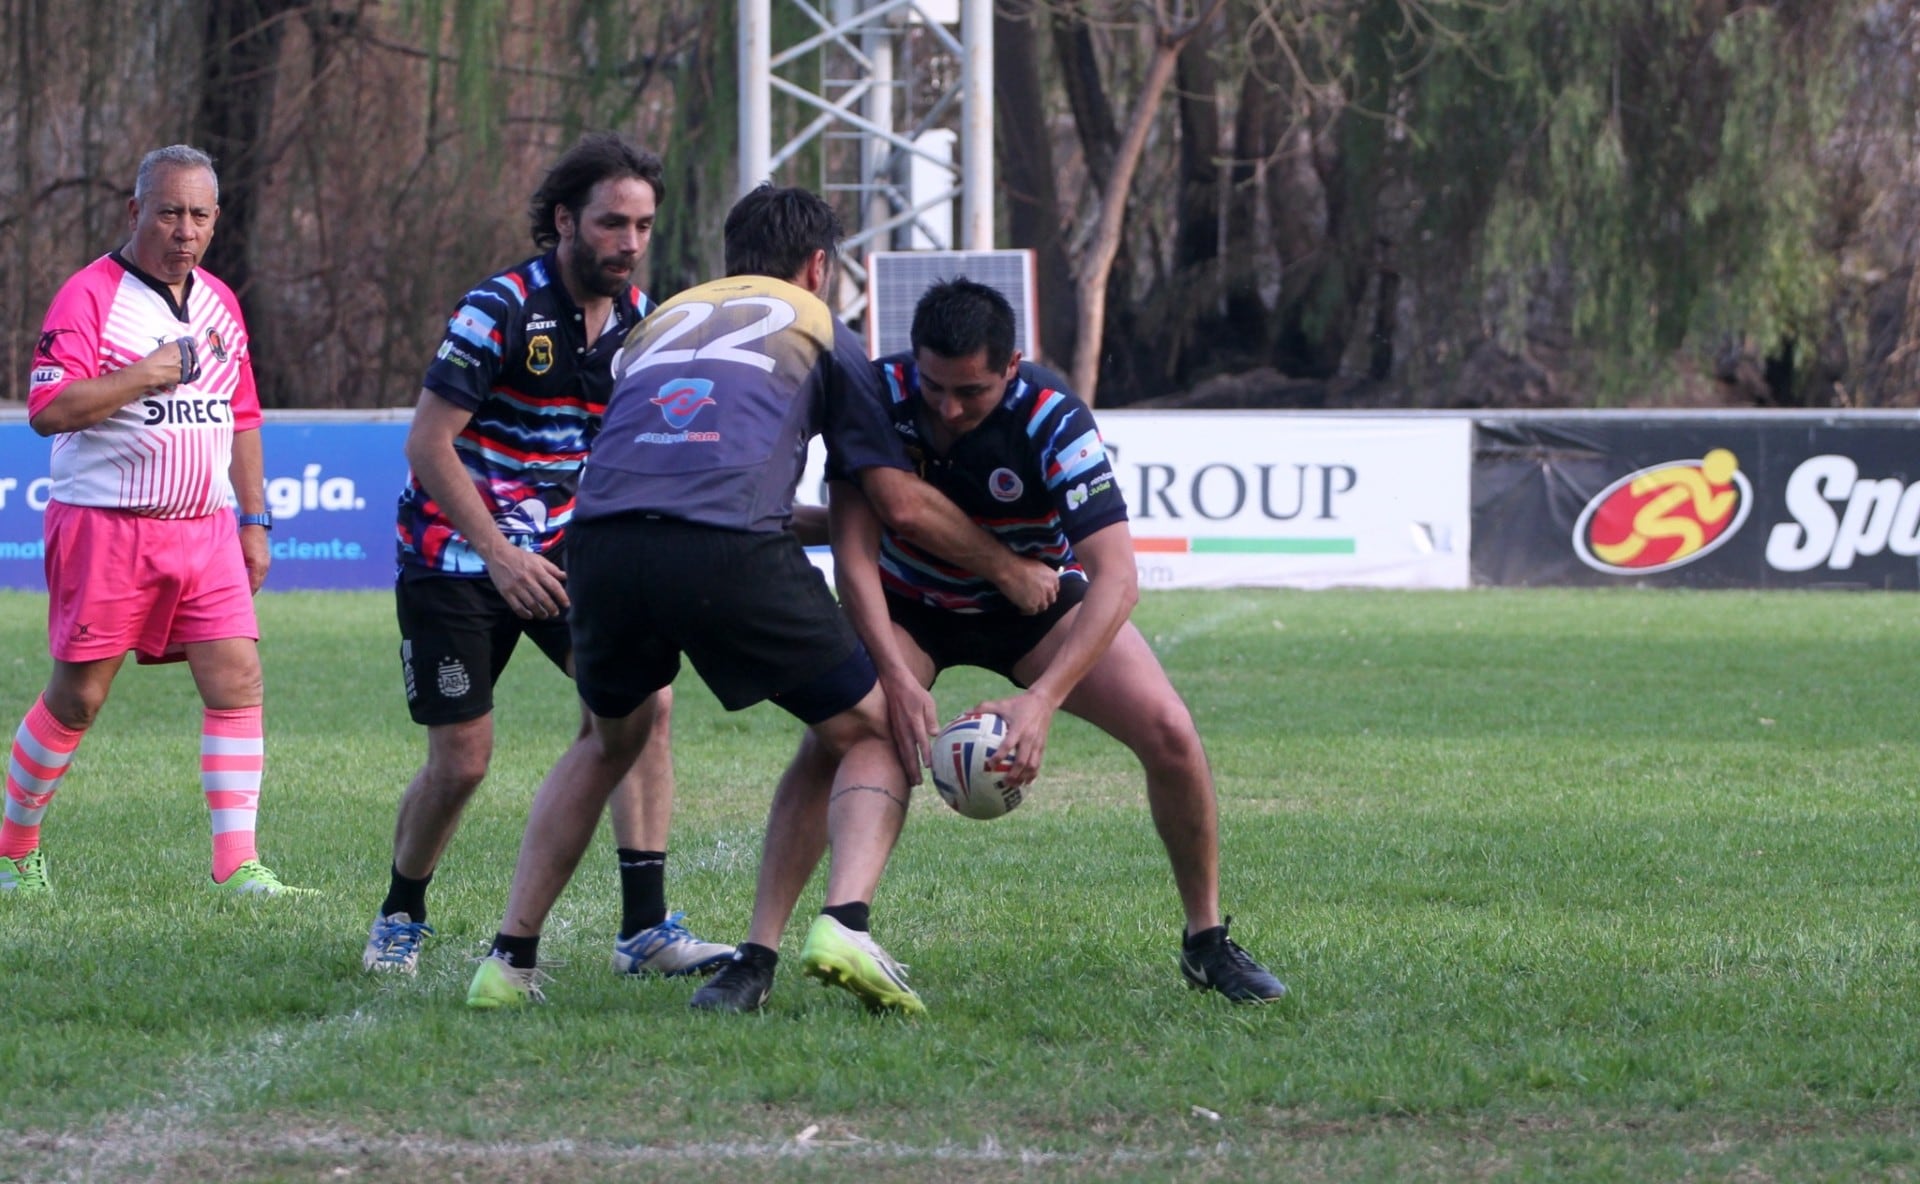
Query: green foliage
column 699, row 156
column 1652, row 170
column 470, row 33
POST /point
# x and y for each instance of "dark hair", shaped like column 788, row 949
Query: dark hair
column 958, row 318
column 775, row 231
column 599, row 156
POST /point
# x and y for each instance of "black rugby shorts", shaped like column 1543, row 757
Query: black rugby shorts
column 456, row 635
column 745, row 607
column 993, row 641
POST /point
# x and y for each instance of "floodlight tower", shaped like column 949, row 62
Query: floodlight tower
column 869, row 142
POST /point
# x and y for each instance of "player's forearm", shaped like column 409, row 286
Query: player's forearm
column 87, row 401
column 1113, row 588
column 248, row 472
column 856, row 572
column 922, row 515
column 809, row 524
column 1094, row 627
column 436, row 465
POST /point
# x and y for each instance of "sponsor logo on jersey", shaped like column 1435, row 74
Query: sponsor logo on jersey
column 216, row 345
column 1077, row 496
column 1005, row 485
column 47, row 375
column 539, row 323
column 185, row 409
column 540, row 354
column 681, row 399
column 1664, row 516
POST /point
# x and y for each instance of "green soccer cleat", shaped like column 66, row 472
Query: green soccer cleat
column 253, row 878
column 499, row 983
column 843, row 957
column 27, row 875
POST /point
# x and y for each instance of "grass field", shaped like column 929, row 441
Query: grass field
column 1567, row 885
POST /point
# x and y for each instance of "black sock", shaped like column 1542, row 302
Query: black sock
column 643, row 890
column 520, row 952
column 756, row 955
column 853, row 914
column 405, row 895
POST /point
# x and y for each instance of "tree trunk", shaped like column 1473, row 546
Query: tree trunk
column 1086, row 95
column 1189, row 312
column 1027, row 176
column 1246, row 309
column 236, row 106
column 27, row 23
column 1097, row 261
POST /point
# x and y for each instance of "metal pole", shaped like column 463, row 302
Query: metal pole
column 876, row 41
column 756, row 93
column 976, row 126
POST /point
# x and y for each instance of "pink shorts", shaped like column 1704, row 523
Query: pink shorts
column 118, row 581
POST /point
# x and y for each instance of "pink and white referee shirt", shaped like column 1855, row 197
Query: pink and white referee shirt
column 166, row 453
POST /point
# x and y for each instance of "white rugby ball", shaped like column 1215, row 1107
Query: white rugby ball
column 965, row 771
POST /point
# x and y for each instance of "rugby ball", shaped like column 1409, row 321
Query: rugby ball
column 965, row 768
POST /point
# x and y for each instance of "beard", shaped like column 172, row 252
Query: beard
column 590, row 271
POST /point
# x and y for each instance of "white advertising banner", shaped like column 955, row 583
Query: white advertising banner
column 1223, row 499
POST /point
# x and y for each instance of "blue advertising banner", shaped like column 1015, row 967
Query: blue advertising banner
column 331, row 486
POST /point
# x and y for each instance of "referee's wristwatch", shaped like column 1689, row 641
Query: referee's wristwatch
column 265, row 520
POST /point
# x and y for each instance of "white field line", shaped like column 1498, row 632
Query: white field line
column 1231, row 612
column 109, row 1153
column 211, row 1090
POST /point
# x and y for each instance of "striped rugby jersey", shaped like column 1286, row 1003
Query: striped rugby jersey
column 1035, row 474
column 515, row 354
column 166, row 454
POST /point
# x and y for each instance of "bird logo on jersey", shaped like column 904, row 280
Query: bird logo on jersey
column 681, row 399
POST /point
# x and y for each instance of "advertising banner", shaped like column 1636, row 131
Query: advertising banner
column 1720, row 499
column 1221, row 499
column 331, row 486
column 1217, row 498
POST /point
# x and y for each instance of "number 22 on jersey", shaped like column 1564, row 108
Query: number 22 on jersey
column 661, row 333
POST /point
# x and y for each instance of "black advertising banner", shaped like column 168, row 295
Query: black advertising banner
column 1697, row 499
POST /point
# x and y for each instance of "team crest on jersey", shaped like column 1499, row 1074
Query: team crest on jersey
column 682, row 398
column 540, row 354
column 1005, row 485
column 453, row 678
column 216, row 345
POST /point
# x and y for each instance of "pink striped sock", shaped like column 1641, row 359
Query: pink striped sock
column 42, row 749
column 232, row 755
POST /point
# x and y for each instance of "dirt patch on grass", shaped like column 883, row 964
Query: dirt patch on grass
column 1290, row 1145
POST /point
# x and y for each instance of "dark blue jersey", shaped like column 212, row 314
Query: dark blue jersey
column 515, row 354
column 715, row 398
column 1034, row 473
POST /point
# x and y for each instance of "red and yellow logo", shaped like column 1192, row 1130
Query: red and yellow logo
column 1664, row 516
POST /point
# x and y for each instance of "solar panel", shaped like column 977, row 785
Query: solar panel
column 896, row 280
